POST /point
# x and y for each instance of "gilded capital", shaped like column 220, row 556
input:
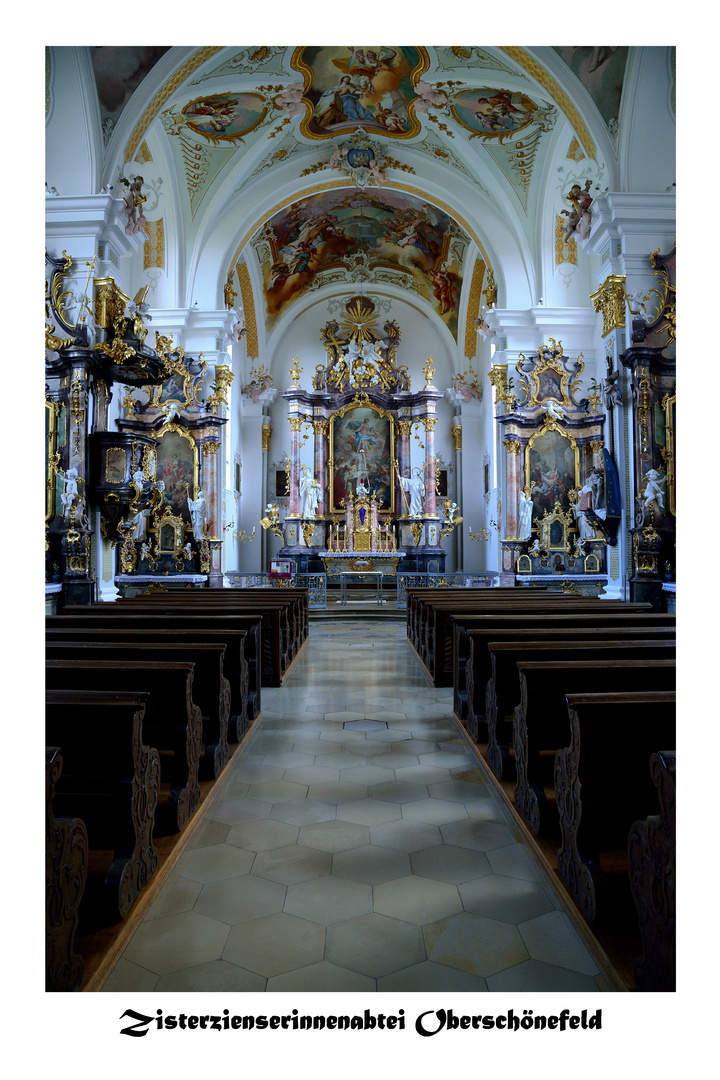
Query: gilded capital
column 404, row 427
column 609, row 299
column 456, row 432
column 320, row 427
column 429, row 423
column 266, row 434
column 512, row 446
column 295, row 422
column 210, row 447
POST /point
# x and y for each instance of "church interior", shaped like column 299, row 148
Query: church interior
column 360, row 561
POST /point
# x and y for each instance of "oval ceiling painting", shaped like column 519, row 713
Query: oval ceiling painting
column 493, row 113
column 224, row 117
column 371, row 87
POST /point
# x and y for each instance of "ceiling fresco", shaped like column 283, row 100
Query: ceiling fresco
column 368, row 87
column 412, row 243
column 234, row 123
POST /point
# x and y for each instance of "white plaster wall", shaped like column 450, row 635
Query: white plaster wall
column 73, row 144
column 647, row 122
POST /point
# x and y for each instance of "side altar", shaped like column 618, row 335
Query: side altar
column 367, row 499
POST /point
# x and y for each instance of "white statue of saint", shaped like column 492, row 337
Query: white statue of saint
column 525, row 507
column 198, row 513
column 140, row 523
column 587, row 532
column 413, row 486
column 309, row 493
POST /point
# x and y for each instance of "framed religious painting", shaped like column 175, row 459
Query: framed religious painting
column 552, row 467
column 361, row 442
column 178, row 466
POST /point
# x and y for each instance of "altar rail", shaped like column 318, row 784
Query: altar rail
column 457, row 580
column 316, row 584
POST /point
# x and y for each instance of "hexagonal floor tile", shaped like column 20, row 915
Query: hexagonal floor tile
column 417, row 900
column 404, row 835
column 532, row 977
column 278, row 791
column 371, row 864
column 209, row 834
column 176, row 942
column 312, row 774
column 446, row 759
column 477, row 834
column 398, row 791
column 214, row 863
column 334, row 835
column 505, row 898
column 328, row 900
column 368, row 812
column 553, row 939
column 458, row 791
column 302, row 811
column 322, row 977
column 367, row 775
column 336, row 757
column 474, row 944
column 233, row 811
column 262, row 835
column 374, row 945
column 434, row 811
column 510, row 858
column 339, row 792
column 451, row 864
column 431, row 978
column 240, row 899
column 177, row 894
column 289, row 865
column 127, row 978
column 275, row 944
column 366, row 725
column 216, row 977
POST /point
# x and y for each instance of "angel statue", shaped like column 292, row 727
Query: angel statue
column 553, row 410
column 654, row 489
column 612, row 390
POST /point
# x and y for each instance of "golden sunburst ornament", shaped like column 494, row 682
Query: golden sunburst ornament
column 360, row 321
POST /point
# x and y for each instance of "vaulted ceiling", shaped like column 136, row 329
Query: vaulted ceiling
column 281, row 171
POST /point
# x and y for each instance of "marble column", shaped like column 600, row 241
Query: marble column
column 430, row 470
column 513, row 484
column 403, row 461
column 295, row 445
column 211, row 490
column 320, row 428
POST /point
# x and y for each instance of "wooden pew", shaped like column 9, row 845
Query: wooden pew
column 273, row 657
column 211, row 690
column 501, row 693
column 292, row 604
column 111, row 780
column 66, row 864
column 416, row 609
column 173, row 722
column 540, row 720
column 472, row 632
column 241, row 635
column 651, row 859
column 437, row 654
column 602, row 784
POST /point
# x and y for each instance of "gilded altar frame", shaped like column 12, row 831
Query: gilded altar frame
column 552, row 425
column 360, row 401
column 553, row 529
column 195, row 450
column 51, row 431
column 668, row 406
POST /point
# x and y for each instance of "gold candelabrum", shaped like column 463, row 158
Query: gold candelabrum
column 428, row 372
column 481, row 534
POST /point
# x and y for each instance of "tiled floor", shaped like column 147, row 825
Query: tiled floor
column 354, row 846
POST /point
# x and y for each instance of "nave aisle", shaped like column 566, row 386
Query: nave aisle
column 355, row 845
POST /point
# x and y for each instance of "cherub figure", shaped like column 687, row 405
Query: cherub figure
column 612, row 390
column 578, row 219
column 654, row 490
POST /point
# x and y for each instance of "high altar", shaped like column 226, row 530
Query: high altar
column 365, row 505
